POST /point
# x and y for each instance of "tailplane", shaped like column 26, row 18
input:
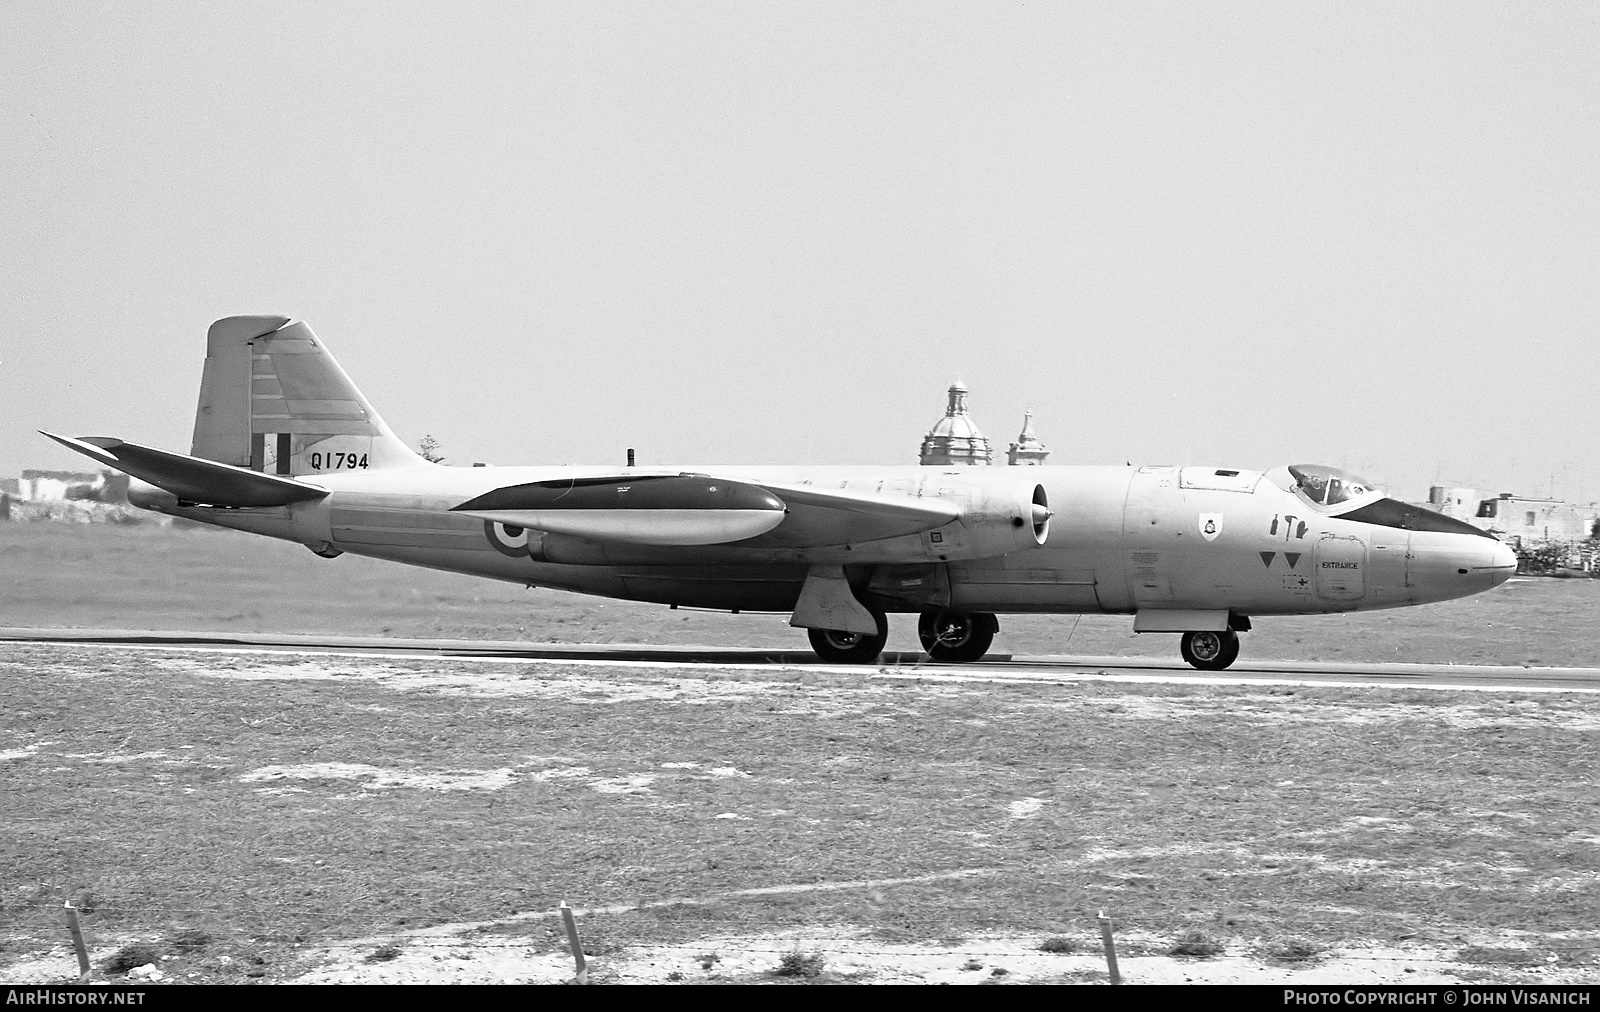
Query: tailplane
column 273, row 400
column 191, row 481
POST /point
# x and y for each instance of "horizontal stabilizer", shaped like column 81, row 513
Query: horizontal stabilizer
column 192, row 480
column 641, row 509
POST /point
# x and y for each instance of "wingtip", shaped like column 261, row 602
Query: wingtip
column 89, row 446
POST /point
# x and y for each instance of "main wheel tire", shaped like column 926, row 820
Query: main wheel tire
column 839, row 647
column 953, row 637
column 1210, row 651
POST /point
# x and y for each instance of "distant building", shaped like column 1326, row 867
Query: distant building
column 54, row 486
column 1517, row 519
column 1027, row 449
column 50, row 486
column 1456, row 502
column 955, row 439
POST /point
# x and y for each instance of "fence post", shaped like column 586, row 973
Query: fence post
column 1111, row 947
column 77, row 940
column 572, row 940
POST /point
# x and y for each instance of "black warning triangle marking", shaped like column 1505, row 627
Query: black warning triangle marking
column 1266, row 558
column 1291, row 558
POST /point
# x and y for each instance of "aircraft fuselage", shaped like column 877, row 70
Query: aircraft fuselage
column 1124, row 540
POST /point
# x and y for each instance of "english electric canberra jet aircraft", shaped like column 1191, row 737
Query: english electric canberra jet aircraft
column 286, row 446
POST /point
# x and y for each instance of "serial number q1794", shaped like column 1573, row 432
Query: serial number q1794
column 336, row 461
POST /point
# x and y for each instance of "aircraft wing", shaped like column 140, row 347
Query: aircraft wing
column 639, row 509
column 698, row 509
column 832, row 516
column 192, row 479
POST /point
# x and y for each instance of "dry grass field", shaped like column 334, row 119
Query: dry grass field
column 290, row 806
column 276, row 817
column 203, row 579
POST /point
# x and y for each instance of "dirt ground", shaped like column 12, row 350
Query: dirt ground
column 308, row 815
column 845, row 958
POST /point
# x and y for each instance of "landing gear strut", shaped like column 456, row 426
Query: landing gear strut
column 953, row 637
column 1210, row 651
column 839, row 647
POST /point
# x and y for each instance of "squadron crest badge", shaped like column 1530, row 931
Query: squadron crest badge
column 1210, row 525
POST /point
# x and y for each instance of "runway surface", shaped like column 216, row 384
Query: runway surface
column 893, row 664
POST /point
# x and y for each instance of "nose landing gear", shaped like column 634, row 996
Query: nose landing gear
column 1210, row 651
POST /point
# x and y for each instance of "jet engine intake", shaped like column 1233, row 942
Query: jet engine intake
column 1041, row 514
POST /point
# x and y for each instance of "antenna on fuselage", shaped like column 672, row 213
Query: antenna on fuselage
column 630, row 456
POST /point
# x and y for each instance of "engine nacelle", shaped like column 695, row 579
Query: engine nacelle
column 999, row 515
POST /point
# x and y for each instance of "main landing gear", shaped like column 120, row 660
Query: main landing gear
column 949, row 637
column 839, row 647
column 953, row 637
column 1210, row 651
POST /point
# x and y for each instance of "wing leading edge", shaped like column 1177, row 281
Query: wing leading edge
column 819, row 516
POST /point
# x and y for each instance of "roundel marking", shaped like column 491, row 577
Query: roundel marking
column 507, row 539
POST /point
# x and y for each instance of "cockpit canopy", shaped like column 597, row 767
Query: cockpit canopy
column 1326, row 487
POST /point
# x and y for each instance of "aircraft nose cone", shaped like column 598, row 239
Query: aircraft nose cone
column 1504, row 561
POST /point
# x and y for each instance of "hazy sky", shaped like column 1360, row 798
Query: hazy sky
column 1360, row 234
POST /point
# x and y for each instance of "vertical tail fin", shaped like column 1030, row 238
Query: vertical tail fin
column 273, row 399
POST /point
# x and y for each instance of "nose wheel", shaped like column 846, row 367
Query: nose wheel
column 1210, row 651
column 837, row 646
column 953, row 637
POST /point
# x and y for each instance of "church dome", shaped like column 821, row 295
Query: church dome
column 955, row 438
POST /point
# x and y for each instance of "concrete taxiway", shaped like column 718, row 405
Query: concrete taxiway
column 893, row 664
